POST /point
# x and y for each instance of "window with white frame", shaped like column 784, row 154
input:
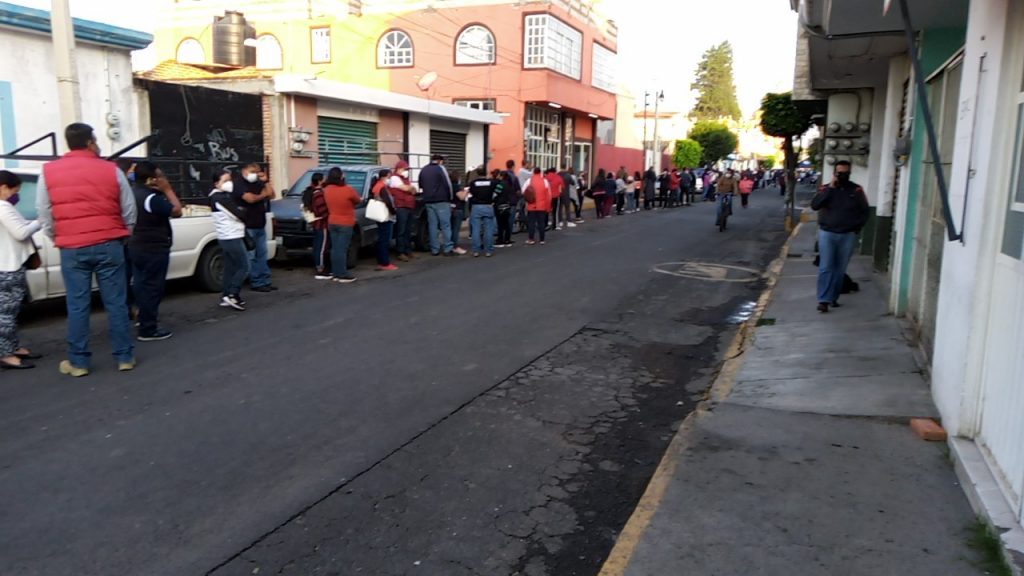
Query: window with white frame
column 190, row 51
column 394, row 50
column 603, row 69
column 268, row 53
column 475, row 45
column 485, row 104
column 550, row 43
column 320, row 45
column 543, row 137
column 1013, row 230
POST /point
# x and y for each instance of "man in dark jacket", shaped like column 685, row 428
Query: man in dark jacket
column 436, row 192
column 150, row 246
column 843, row 211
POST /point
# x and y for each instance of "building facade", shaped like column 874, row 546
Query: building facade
column 548, row 68
column 954, row 257
column 28, row 101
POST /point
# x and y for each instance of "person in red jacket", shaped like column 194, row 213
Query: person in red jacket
column 404, row 195
column 342, row 200
column 87, row 208
column 557, row 185
column 539, row 191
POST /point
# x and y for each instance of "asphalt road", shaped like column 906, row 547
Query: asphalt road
column 462, row 416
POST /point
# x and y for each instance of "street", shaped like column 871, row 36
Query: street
column 462, row 416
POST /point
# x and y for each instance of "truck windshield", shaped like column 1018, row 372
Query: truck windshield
column 354, row 178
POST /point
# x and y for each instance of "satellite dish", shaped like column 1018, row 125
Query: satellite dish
column 426, row 81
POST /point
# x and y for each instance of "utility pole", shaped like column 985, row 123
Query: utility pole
column 646, row 94
column 657, row 150
column 63, row 36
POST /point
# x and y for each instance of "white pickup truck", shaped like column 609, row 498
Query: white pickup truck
column 195, row 252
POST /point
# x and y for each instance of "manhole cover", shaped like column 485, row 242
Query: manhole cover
column 708, row 271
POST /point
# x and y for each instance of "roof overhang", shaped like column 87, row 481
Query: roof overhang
column 33, row 20
column 341, row 92
column 844, row 44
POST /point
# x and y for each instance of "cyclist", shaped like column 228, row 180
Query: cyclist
column 725, row 188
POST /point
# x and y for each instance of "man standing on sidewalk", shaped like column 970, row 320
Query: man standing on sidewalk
column 843, row 211
column 436, row 190
column 253, row 190
column 150, row 246
column 87, row 208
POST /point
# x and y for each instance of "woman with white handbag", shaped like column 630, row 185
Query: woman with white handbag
column 381, row 208
column 17, row 252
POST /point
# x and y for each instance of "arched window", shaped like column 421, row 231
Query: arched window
column 268, row 53
column 394, row 50
column 190, row 51
column 475, row 45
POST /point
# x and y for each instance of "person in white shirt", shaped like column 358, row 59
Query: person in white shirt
column 16, row 248
column 229, row 225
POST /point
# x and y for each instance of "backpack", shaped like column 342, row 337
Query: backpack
column 530, row 195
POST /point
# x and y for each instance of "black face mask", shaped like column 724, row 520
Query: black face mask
column 843, row 177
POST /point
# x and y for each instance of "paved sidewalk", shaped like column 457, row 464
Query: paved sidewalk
column 803, row 462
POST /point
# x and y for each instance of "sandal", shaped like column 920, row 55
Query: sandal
column 20, row 366
column 28, row 355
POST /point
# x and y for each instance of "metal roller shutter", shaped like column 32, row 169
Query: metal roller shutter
column 346, row 141
column 453, row 146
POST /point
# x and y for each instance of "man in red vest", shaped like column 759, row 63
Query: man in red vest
column 87, row 208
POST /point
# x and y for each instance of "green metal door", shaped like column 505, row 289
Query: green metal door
column 453, row 146
column 346, row 141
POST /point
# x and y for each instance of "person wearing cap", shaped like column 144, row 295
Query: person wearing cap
column 403, row 193
column 437, row 194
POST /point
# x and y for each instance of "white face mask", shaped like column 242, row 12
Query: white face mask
column 252, row 177
column 228, row 187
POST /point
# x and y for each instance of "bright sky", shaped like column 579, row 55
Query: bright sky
column 660, row 42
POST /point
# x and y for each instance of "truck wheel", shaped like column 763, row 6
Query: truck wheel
column 353, row 249
column 210, row 269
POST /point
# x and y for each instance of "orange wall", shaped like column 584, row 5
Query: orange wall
column 391, row 129
column 434, row 35
column 305, row 116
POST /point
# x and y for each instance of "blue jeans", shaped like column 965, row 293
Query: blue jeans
column 458, row 217
column 724, row 204
column 341, row 237
column 77, row 266
column 321, row 251
column 384, row 242
column 482, row 223
column 259, row 270
column 404, row 228
column 149, row 277
column 835, row 251
column 236, row 266
column 439, row 219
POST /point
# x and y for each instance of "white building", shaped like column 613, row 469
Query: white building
column 28, row 86
column 963, row 295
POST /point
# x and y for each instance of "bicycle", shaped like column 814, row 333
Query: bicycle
column 723, row 211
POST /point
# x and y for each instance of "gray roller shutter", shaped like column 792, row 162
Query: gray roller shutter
column 346, row 141
column 453, row 146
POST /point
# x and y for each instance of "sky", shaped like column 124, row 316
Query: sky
column 660, row 41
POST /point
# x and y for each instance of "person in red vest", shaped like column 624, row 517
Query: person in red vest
column 87, row 208
column 538, row 204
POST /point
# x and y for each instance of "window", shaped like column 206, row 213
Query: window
column 190, row 51
column 543, row 136
column 394, row 50
column 488, row 105
column 320, row 45
column 268, row 53
column 603, row 68
column 475, row 46
column 550, row 43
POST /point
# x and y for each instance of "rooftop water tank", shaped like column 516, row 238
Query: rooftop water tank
column 229, row 34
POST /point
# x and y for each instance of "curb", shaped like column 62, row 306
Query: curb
column 629, row 538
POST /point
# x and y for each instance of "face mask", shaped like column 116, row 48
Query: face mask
column 14, row 199
column 228, row 187
column 843, row 177
column 252, row 177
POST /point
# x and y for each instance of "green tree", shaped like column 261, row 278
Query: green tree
column 767, row 163
column 716, row 89
column 715, row 139
column 687, row 154
column 782, row 118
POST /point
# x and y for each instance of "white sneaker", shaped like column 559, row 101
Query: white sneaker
column 570, row 225
column 231, row 302
column 321, row 276
column 558, row 228
column 459, row 251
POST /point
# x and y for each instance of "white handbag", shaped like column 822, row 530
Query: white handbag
column 377, row 211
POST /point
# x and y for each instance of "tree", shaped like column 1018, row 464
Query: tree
column 782, row 118
column 687, row 154
column 715, row 139
column 716, row 89
column 767, row 163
